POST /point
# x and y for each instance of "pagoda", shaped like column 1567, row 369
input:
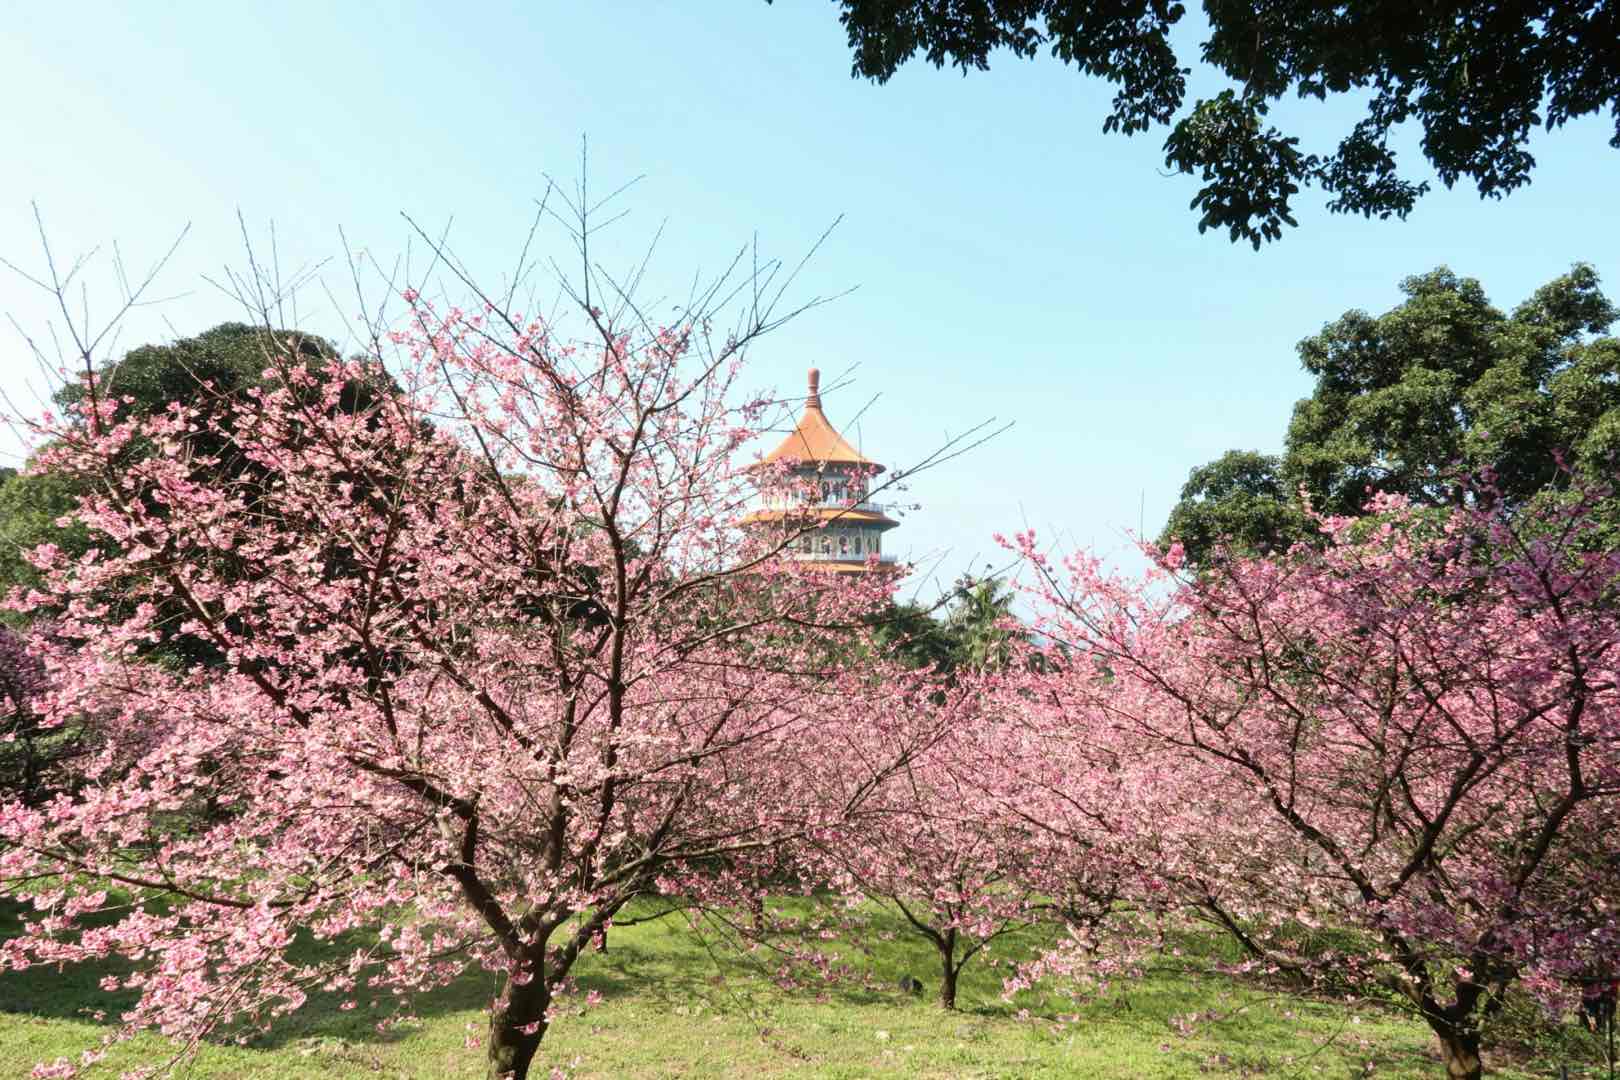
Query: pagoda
column 816, row 497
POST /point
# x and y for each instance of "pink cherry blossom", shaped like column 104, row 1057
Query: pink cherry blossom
column 494, row 659
column 1413, row 736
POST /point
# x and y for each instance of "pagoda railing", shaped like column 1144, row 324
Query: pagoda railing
column 833, row 556
column 869, row 506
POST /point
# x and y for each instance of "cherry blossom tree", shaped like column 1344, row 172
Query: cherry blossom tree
column 926, row 847
column 1396, row 761
column 495, row 660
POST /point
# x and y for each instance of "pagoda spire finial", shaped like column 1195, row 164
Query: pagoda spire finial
column 814, row 400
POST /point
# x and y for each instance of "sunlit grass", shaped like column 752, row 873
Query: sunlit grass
column 673, row 1004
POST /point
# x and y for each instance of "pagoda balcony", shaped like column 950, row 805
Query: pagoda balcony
column 866, row 505
column 883, row 559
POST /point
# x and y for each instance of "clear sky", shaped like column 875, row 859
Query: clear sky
column 1008, row 259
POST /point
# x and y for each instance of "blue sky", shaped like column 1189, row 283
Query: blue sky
column 1008, row 259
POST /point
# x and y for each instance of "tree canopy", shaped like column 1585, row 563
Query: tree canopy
column 1442, row 396
column 392, row 604
column 972, row 632
column 1411, row 734
column 228, row 358
column 211, row 369
column 1474, row 78
column 1238, row 500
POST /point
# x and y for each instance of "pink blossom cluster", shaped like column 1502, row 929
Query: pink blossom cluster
column 491, row 658
column 1395, row 761
column 495, row 658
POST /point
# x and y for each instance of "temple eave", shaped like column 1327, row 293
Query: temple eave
column 780, row 458
column 847, row 566
column 810, row 515
column 816, row 510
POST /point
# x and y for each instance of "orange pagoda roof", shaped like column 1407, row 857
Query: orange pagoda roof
column 816, row 440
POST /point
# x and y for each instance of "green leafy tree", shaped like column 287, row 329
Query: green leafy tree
column 30, row 506
column 1446, row 385
column 968, row 628
column 1474, row 78
column 214, row 369
column 218, row 365
column 978, row 624
column 1441, row 399
column 1239, row 501
column 915, row 635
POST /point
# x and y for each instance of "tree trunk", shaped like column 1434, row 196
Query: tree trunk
column 511, row 1047
column 1457, row 1028
column 1459, row 1049
column 948, row 969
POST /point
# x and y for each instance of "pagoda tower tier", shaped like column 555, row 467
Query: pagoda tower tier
column 814, row 494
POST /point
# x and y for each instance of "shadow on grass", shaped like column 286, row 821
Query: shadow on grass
column 667, row 962
column 1223, row 1024
column 74, row 992
column 69, row 991
column 662, row 961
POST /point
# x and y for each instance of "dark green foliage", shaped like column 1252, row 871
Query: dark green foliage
column 1445, row 385
column 210, row 369
column 976, row 624
column 35, row 759
column 970, row 635
column 916, row 637
column 1443, row 398
column 30, row 504
column 1239, row 501
column 211, row 372
column 1475, row 78
column 228, row 359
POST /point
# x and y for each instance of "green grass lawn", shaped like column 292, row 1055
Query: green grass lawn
column 673, row 1006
